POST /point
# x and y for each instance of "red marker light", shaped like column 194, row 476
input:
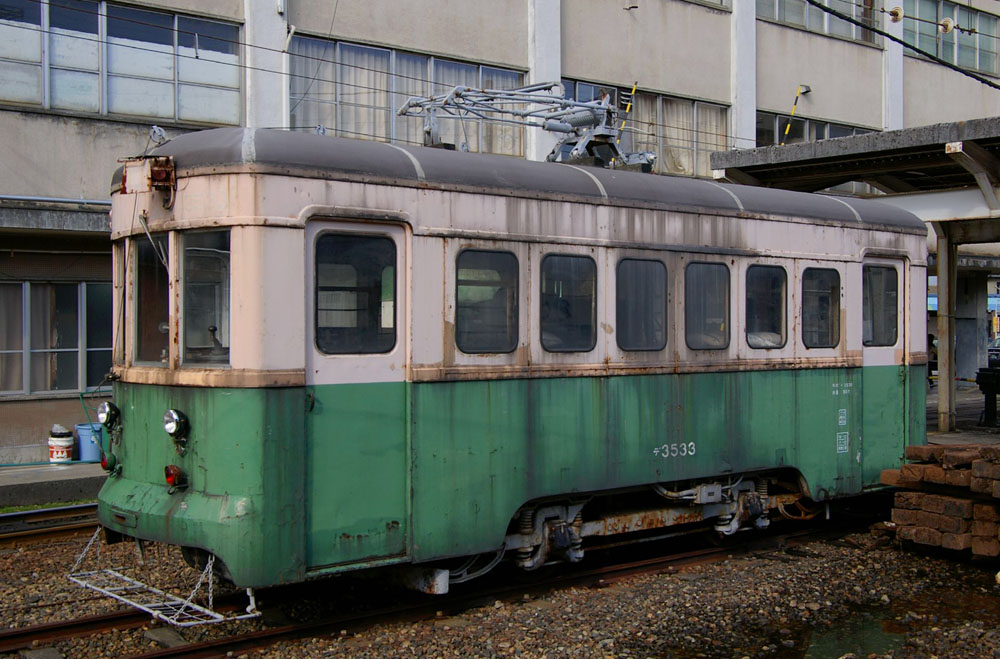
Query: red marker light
column 108, row 461
column 174, row 476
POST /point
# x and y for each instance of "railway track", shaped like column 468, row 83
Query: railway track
column 46, row 524
column 422, row 608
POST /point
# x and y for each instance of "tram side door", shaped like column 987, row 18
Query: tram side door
column 884, row 356
column 356, row 411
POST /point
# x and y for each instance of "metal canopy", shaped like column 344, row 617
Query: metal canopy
column 909, row 160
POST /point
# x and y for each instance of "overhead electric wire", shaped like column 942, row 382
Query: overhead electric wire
column 933, row 58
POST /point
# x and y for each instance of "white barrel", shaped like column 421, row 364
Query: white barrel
column 61, row 448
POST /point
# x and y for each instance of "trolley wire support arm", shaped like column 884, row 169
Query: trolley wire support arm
column 587, row 129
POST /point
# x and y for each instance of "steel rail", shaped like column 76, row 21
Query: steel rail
column 46, row 523
column 25, row 637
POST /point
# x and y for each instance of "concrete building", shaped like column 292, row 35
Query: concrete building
column 82, row 81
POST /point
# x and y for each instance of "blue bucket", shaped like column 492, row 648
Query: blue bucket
column 89, row 445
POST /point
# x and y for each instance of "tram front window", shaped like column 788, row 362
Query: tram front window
column 206, row 297
column 152, row 299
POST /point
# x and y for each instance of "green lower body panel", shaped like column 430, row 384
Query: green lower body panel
column 288, row 482
column 245, row 467
column 480, row 450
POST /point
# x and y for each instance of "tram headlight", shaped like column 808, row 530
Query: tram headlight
column 108, row 414
column 175, row 423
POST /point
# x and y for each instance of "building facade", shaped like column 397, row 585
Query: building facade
column 82, row 82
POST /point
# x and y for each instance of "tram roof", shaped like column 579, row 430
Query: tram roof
column 316, row 156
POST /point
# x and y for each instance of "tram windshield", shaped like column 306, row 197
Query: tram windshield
column 206, row 297
column 152, row 299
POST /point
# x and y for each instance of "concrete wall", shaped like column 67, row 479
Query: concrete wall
column 849, row 92
column 26, row 425
column 229, row 10
column 49, row 155
column 925, row 84
column 672, row 47
column 494, row 32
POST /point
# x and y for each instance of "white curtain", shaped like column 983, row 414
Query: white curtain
column 410, row 79
column 312, row 88
column 643, row 127
column 363, row 93
column 446, row 76
column 678, row 137
column 712, row 135
column 507, row 139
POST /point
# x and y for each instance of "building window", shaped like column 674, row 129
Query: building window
column 54, row 336
column 706, row 306
column 641, row 305
column 880, row 292
column 820, row 308
column 107, row 59
column 682, row 133
column 802, row 14
column 771, row 129
column 971, row 45
column 766, row 293
column 569, row 303
column 355, row 294
column 775, row 128
column 486, row 301
column 206, row 297
column 354, row 91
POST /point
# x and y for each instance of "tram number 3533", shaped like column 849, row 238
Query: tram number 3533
column 681, row 450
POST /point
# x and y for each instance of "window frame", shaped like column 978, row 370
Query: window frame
column 697, row 142
column 541, row 302
column 185, row 291
column 82, row 350
column 727, row 306
column 665, row 309
column 513, row 318
column 101, row 68
column 917, row 29
column 784, row 305
column 835, row 317
column 818, row 21
column 896, row 333
column 395, row 292
column 136, row 314
column 396, row 92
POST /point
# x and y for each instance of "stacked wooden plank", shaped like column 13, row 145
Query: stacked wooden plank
column 950, row 497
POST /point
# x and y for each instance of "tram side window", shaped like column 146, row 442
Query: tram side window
column 486, row 301
column 820, row 308
column 880, row 286
column 641, row 305
column 706, row 306
column 569, row 303
column 355, row 294
column 206, row 297
column 766, row 292
column 152, row 299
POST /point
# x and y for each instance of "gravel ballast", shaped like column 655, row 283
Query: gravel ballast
column 826, row 595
